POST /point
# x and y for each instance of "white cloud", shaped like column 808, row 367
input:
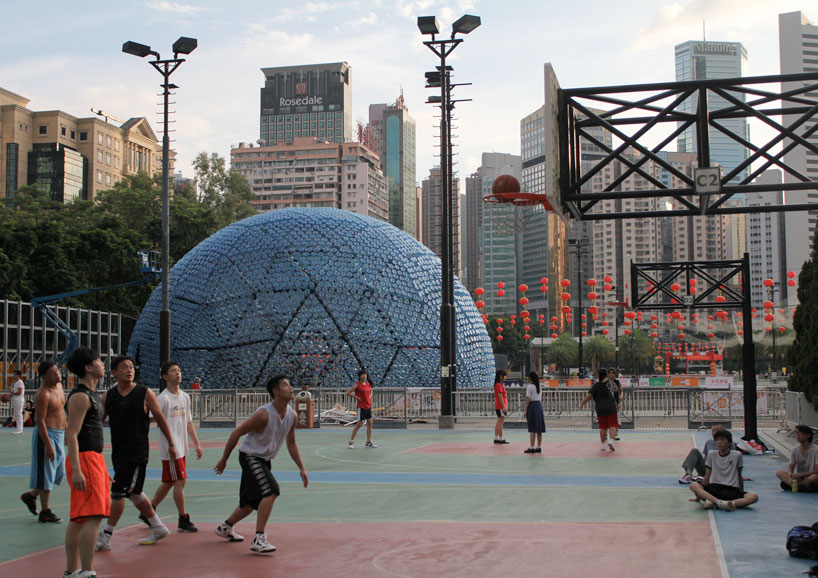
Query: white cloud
column 174, row 7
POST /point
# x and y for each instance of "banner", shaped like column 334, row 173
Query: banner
column 718, row 382
column 684, row 381
column 549, row 383
column 579, row 383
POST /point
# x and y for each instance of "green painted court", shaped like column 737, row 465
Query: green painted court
column 447, row 502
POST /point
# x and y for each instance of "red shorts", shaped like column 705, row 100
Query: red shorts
column 95, row 501
column 173, row 471
column 607, row 421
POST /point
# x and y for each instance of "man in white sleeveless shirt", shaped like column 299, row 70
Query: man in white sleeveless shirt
column 266, row 430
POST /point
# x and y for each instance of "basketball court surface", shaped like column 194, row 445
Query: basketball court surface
column 443, row 503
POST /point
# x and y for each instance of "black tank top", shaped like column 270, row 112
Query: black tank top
column 129, row 423
column 89, row 438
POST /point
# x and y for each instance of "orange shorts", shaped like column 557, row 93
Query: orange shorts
column 95, row 501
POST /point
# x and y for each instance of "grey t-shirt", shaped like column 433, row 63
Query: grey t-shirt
column 804, row 463
column 724, row 469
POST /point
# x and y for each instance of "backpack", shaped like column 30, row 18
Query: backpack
column 802, row 542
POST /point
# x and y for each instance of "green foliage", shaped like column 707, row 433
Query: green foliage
column 223, row 190
column 803, row 355
column 563, row 352
column 638, row 351
column 599, row 350
column 513, row 345
column 48, row 247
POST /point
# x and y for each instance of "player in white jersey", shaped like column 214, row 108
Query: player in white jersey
column 175, row 406
column 266, row 430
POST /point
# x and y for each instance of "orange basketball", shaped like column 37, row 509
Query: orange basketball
column 5, row 397
column 505, row 184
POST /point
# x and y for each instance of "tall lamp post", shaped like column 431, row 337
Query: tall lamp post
column 165, row 67
column 772, row 287
column 579, row 245
column 428, row 25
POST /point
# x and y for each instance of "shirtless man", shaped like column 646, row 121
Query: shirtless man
column 47, row 442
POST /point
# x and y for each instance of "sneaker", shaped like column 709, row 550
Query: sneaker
column 686, row 479
column 260, row 545
column 74, row 574
column 30, row 502
column 503, row 441
column 17, row 433
column 155, row 535
column 226, row 531
column 103, row 541
column 616, row 438
column 185, row 525
column 351, row 444
column 539, row 450
column 698, row 479
column 498, row 441
column 370, row 445
column 610, row 445
column 708, row 505
column 602, row 447
column 87, row 574
column 530, row 451
column 48, row 517
column 726, row 506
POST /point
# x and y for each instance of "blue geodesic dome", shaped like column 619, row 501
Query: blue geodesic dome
column 316, row 294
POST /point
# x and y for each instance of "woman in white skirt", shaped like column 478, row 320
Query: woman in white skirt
column 534, row 413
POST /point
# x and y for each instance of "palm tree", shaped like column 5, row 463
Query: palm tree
column 563, row 352
column 599, row 350
column 639, row 349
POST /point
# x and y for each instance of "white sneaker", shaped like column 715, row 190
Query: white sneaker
column 103, row 541
column 351, row 444
column 156, row 534
column 260, row 545
column 708, row 505
column 727, row 506
column 370, row 445
column 87, row 574
column 16, row 433
column 225, row 531
column 602, row 447
column 611, row 445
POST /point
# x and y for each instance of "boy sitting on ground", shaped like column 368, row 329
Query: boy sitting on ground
column 803, row 463
column 723, row 486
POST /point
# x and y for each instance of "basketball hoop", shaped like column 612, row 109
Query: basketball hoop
column 519, row 199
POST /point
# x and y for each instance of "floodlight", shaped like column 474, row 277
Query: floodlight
column 140, row 50
column 428, row 25
column 465, row 24
column 187, row 45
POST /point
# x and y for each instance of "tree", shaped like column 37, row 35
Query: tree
column 638, row 350
column 599, row 350
column 803, row 355
column 224, row 190
column 563, row 352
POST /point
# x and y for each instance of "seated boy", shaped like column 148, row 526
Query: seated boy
column 723, row 486
column 803, row 463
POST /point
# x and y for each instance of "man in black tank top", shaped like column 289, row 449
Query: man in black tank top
column 85, row 467
column 127, row 406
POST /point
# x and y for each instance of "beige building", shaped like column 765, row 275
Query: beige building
column 67, row 156
column 430, row 216
column 312, row 172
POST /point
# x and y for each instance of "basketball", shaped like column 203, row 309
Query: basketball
column 4, row 397
column 505, row 184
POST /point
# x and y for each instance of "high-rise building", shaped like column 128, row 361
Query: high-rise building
column 765, row 239
column 395, row 130
column 310, row 172
column 431, row 207
column 69, row 157
column 798, row 53
column 706, row 60
column 311, row 100
column 472, row 220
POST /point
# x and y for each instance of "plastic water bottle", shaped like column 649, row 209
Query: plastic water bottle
column 794, row 485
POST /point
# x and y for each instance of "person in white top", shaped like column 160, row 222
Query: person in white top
column 175, row 406
column 18, row 400
column 803, row 469
column 266, row 430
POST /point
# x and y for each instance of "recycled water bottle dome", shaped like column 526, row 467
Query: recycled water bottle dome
column 316, row 294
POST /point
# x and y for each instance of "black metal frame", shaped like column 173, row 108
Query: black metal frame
column 650, row 105
column 717, row 274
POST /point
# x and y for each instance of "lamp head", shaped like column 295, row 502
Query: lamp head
column 140, row 50
column 428, row 25
column 465, row 24
column 185, row 45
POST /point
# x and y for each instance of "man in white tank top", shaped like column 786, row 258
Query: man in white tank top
column 266, row 430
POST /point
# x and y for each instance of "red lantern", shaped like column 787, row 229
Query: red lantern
column 584, row 325
column 592, row 295
column 692, row 282
column 676, row 315
column 782, row 329
column 604, row 332
column 523, row 301
column 607, row 286
column 627, row 332
column 654, row 317
column 544, row 288
column 554, row 319
column 654, row 335
column 654, row 326
column 583, row 317
column 675, row 287
column 692, row 290
column 607, row 278
column 721, row 299
column 627, row 323
column 479, row 304
column 523, row 288
column 565, row 283
column 681, row 336
column 501, row 285
column 768, row 305
column 593, row 310
column 583, row 334
column 769, row 317
column 553, row 328
column 768, row 282
column 710, row 335
column 499, row 330
column 542, row 321
column 479, row 291
column 740, row 332
column 791, row 274
column 604, row 324
column 525, row 314
column 499, row 321
column 544, row 280
column 768, row 329
column 791, row 282
column 591, row 282
column 553, row 336
column 565, row 296
column 499, row 338
column 501, row 293
column 630, row 314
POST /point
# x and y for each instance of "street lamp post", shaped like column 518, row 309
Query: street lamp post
column 579, row 244
column 183, row 45
column 428, row 25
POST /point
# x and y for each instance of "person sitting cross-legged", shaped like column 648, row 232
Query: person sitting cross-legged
column 803, row 469
column 723, row 486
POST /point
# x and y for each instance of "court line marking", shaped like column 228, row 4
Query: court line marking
column 725, row 573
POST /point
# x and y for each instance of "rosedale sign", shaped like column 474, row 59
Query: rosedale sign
column 300, row 101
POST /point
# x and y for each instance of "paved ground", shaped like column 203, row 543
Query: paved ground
column 447, row 502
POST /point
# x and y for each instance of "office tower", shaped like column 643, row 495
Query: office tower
column 70, row 157
column 798, row 53
column 472, row 220
column 311, row 100
column 432, row 196
column 310, row 172
column 765, row 240
column 705, row 60
column 395, row 131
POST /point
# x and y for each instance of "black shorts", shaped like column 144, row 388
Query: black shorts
column 129, row 477
column 257, row 481
column 500, row 412
column 364, row 414
column 723, row 492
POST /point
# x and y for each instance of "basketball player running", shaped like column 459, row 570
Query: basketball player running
column 266, row 430
column 47, row 442
column 128, row 405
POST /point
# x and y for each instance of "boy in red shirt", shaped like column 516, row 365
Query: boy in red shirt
column 362, row 391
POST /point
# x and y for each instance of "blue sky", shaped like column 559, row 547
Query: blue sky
column 68, row 56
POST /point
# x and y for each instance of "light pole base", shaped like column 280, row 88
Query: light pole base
column 446, row 422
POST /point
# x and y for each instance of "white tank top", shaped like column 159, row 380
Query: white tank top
column 266, row 444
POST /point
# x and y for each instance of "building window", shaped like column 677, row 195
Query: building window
column 108, row 159
column 108, row 179
column 99, row 156
column 83, row 136
column 63, row 131
column 42, row 130
column 73, row 135
column 99, row 137
column 116, row 145
column 116, row 162
column 99, row 177
column 108, row 141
